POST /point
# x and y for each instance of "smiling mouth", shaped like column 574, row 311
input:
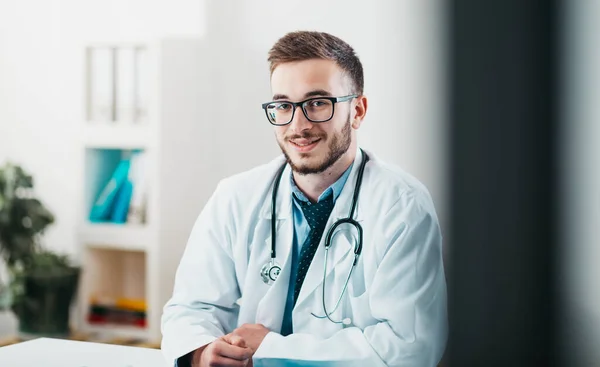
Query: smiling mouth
column 304, row 142
column 304, row 145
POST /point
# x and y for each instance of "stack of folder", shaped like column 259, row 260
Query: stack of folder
column 123, row 198
column 120, row 311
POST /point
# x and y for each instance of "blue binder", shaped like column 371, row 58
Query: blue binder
column 122, row 199
column 104, row 205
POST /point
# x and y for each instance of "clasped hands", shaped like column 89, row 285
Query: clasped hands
column 232, row 350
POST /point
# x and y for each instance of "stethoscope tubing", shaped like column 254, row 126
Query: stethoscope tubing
column 328, row 238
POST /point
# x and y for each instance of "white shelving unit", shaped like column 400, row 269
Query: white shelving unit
column 139, row 260
column 112, row 135
column 130, row 237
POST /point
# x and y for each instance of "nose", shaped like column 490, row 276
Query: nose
column 299, row 121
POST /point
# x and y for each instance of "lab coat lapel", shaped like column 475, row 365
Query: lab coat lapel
column 271, row 307
column 342, row 243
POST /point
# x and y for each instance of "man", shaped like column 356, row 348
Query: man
column 241, row 299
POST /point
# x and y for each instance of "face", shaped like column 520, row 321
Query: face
column 309, row 147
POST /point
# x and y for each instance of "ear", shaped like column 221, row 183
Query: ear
column 360, row 110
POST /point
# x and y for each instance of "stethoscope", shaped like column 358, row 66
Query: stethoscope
column 270, row 271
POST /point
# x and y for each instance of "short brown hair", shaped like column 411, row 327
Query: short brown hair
column 305, row 45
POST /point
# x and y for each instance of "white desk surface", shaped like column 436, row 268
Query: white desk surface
column 67, row 353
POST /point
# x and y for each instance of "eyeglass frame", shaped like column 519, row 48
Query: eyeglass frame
column 300, row 104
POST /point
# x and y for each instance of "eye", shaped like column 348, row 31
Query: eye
column 317, row 103
column 283, row 106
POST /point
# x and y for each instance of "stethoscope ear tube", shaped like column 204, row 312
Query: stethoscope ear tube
column 355, row 224
column 357, row 249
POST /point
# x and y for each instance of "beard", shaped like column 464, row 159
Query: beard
column 338, row 145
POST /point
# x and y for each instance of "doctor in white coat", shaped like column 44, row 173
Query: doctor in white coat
column 237, row 297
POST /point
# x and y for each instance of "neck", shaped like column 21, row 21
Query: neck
column 313, row 185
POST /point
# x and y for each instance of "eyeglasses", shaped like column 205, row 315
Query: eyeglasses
column 318, row 109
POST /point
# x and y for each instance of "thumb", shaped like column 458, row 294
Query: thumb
column 235, row 340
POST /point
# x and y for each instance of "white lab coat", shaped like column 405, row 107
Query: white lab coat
column 396, row 298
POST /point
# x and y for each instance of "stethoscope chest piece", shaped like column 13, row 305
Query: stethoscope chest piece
column 270, row 272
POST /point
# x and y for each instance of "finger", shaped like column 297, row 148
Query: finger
column 236, row 340
column 220, row 361
column 225, row 349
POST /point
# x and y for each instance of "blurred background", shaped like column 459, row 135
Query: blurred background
column 148, row 104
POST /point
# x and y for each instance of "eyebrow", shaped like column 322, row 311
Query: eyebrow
column 312, row 93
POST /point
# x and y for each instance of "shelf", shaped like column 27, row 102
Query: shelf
column 138, row 259
column 117, row 135
column 126, row 237
column 111, row 274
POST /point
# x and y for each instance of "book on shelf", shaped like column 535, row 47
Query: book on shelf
column 141, row 86
column 125, row 88
column 100, row 79
column 117, row 311
column 138, row 200
column 117, row 77
column 104, row 204
column 123, row 198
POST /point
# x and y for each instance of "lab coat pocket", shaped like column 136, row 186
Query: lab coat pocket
column 357, row 287
column 359, row 302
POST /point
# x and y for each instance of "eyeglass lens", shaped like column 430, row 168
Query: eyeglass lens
column 316, row 110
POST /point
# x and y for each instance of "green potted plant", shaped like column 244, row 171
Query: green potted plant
column 41, row 284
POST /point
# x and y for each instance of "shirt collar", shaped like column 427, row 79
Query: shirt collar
column 335, row 188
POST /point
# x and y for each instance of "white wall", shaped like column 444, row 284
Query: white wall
column 401, row 46
column 399, row 43
column 580, row 174
column 41, row 84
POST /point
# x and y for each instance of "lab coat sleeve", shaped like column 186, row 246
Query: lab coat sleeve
column 203, row 304
column 407, row 297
